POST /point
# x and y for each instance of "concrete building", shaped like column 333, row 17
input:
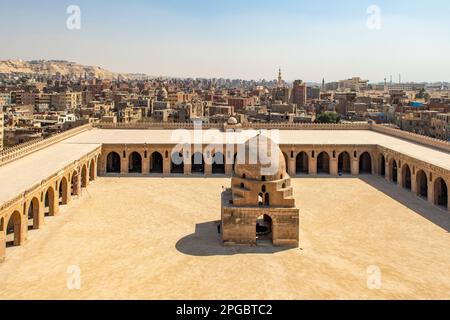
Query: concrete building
column 353, row 84
column 66, row 101
column 283, row 108
column 238, row 103
column 223, row 110
column 313, row 93
column 299, row 93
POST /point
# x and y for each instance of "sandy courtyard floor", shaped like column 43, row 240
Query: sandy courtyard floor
column 156, row 238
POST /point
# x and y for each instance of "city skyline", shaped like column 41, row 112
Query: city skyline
column 238, row 40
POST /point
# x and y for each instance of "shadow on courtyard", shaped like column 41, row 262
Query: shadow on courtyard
column 206, row 242
column 434, row 214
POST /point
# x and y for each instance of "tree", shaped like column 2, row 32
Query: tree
column 328, row 117
column 423, row 94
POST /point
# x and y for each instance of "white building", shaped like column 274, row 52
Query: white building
column 66, row 118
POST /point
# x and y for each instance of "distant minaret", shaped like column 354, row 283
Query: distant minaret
column 280, row 78
column 323, row 83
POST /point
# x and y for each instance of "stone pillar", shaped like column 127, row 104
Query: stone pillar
column 334, row 166
column 312, row 165
column 40, row 217
column 2, row 245
column 55, row 203
column 413, row 183
column 187, row 159
column 124, row 165
column 387, row 171
column 145, row 164
column 291, row 169
column 448, row 195
column 229, row 169
column 399, row 177
column 208, row 169
column 96, row 168
column 23, row 230
column 68, row 190
column 354, row 166
column 431, row 192
column 69, row 195
column 187, row 168
column 166, row 165
column 78, row 190
column 101, row 166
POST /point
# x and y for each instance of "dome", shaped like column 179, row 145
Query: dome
column 263, row 160
column 232, row 120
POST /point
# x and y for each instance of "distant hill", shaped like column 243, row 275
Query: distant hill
column 64, row 68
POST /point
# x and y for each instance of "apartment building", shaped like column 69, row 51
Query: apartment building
column 66, row 101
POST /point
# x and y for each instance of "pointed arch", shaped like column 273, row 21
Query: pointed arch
column 218, row 165
column 156, row 162
column 14, row 230
column 49, row 202
column 113, row 163
column 382, row 165
column 393, row 170
column 74, row 181
column 84, row 176
column 302, row 163
column 33, row 214
column 63, row 191
column 344, row 163
column 441, row 193
column 264, row 228
column 197, row 163
column 323, row 163
column 177, row 163
column 135, row 162
column 365, row 163
column 92, row 169
column 406, row 177
column 422, row 184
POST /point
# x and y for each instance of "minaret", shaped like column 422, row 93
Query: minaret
column 280, row 78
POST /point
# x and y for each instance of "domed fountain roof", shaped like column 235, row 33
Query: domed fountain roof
column 232, row 120
column 263, row 160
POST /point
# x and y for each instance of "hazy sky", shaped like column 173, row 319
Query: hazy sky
column 237, row 38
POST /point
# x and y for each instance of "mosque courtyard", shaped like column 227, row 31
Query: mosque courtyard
column 156, row 238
